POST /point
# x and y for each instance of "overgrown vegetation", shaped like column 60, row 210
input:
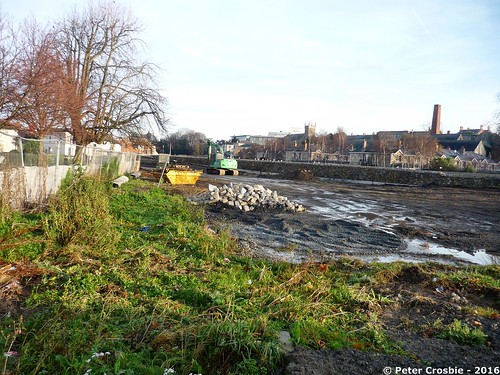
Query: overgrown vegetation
column 133, row 281
column 449, row 164
column 440, row 164
column 79, row 214
column 110, row 170
column 463, row 334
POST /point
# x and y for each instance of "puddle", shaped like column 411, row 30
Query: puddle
column 419, row 251
column 478, row 257
column 385, row 218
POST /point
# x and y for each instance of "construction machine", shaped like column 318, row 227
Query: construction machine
column 218, row 163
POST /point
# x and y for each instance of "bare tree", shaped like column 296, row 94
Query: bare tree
column 251, row 152
column 497, row 115
column 384, row 144
column 108, row 90
column 10, row 97
column 40, row 77
column 339, row 140
column 495, row 138
column 423, row 145
column 275, row 148
column 184, row 142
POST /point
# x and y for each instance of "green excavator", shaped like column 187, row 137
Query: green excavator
column 218, row 163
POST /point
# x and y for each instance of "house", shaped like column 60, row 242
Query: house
column 478, row 162
column 320, row 156
column 59, row 140
column 8, row 139
column 470, row 139
column 401, row 159
column 362, row 151
column 296, row 148
column 106, row 146
column 464, row 146
column 465, row 159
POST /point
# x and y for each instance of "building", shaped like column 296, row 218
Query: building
column 362, row 151
column 106, row 146
column 297, row 146
column 8, row 139
column 59, row 140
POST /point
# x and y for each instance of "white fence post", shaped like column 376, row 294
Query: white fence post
column 58, row 148
column 21, row 150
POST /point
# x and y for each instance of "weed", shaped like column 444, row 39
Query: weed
column 110, row 169
column 79, row 214
column 20, row 237
column 486, row 312
column 462, row 334
column 318, row 334
column 227, row 345
column 478, row 276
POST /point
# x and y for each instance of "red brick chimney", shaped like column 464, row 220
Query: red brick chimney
column 436, row 120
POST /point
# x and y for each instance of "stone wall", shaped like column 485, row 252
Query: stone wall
column 354, row 172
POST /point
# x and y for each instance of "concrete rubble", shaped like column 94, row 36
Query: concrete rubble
column 247, row 198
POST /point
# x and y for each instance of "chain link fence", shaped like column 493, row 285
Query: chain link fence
column 32, row 169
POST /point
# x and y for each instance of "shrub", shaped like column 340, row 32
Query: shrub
column 79, row 214
column 469, row 168
column 439, row 164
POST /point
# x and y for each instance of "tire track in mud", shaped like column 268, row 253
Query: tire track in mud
column 373, row 222
column 298, row 237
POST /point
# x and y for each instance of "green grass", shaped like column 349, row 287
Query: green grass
column 170, row 293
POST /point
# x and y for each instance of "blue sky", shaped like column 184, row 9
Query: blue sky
column 232, row 67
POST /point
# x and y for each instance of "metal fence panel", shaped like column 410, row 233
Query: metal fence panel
column 32, row 169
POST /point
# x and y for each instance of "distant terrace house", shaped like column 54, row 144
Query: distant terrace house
column 400, row 159
column 362, row 151
column 464, row 147
column 468, row 154
column 320, row 156
column 299, row 150
column 448, row 140
column 472, row 134
column 478, row 162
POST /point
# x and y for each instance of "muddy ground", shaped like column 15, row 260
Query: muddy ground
column 370, row 221
column 386, row 223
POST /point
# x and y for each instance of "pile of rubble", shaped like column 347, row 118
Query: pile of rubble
column 247, row 198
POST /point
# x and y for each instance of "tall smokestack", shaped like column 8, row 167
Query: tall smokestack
column 436, row 120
